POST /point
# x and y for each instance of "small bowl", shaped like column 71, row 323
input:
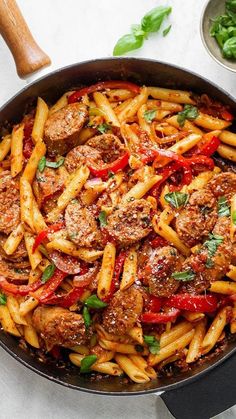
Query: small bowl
column 213, row 9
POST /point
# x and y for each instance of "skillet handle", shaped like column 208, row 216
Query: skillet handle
column 13, row 28
column 206, row 397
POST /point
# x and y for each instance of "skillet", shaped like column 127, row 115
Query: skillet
column 203, row 391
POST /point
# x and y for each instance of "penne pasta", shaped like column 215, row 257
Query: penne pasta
column 103, row 104
column 227, row 152
column 123, row 348
column 194, row 351
column 188, row 126
column 142, row 364
column 14, row 239
column 129, row 270
column 26, row 203
column 136, row 333
column 171, row 95
column 232, row 273
column 63, row 101
column 185, row 144
column 134, row 105
column 223, row 287
column 66, row 246
column 214, row 331
column 30, row 334
column 233, row 320
column 32, row 164
column 17, row 157
column 106, row 272
column 36, row 257
column 5, row 147
column 177, row 331
column 134, row 372
column 141, row 188
column 14, row 310
column 210, row 122
column 228, row 137
column 110, row 368
column 40, row 119
column 7, row 323
column 27, row 306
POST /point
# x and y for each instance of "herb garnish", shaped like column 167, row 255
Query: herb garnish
column 48, row 273
column 153, row 344
column 150, row 23
column 94, row 302
column 53, row 164
column 102, row 218
column 176, row 199
column 103, row 128
column 42, row 164
column 190, row 112
column 149, row 115
column 223, row 30
column 184, row 276
column 213, row 243
column 87, row 362
column 87, row 317
column 223, row 207
column 166, row 30
column 234, row 217
column 3, row 299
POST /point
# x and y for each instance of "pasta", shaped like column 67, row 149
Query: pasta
column 117, row 230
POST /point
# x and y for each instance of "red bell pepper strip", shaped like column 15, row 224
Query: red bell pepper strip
column 44, row 234
column 112, row 84
column 119, row 263
column 28, row 144
column 158, row 242
column 113, row 167
column 203, row 160
column 196, row 303
column 19, row 289
column 51, row 285
column 154, row 304
column 66, row 300
column 209, row 147
column 157, row 318
column 227, row 116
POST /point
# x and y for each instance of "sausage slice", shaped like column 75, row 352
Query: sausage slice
column 9, row 203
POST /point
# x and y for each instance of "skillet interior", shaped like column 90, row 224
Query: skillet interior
column 50, row 88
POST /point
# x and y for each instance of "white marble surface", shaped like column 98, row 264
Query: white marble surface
column 71, row 31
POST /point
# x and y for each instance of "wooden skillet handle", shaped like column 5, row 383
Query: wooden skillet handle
column 27, row 54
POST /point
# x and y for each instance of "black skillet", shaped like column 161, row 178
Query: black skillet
column 205, row 390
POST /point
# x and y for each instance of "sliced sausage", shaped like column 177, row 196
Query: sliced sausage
column 59, row 326
column 123, row 311
column 9, row 203
column 108, row 145
column 19, row 254
column 158, row 268
column 197, row 218
column 48, row 183
column 14, row 271
column 209, row 269
column 81, row 226
column 62, row 128
column 130, row 223
column 79, row 155
column 223, row 184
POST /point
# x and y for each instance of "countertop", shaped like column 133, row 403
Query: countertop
column 71, row 31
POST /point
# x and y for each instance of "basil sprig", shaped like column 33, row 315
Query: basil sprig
column 3, row 299
column 87, row 362
column 149, row 115
column 86, row 317
column 48, row 273
column 153, row 344
column 189, row 112
column 150, row 23
column 176, row 199
column 43, row 162
column 213, row 243
column 184, row 276
column 103, row 128
column 94, row 302
column 102, row 218
column 223, row 29
column 223, row 207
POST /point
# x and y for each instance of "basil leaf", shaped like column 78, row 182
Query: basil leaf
column 189, row 112
column 87, row 362
column 230, row 6
column 149, row 115
column 94, row 302
column 209, row 263
column 234, row 217
column 102, row 128
column 213, row 243
column 152, row 21
column 3, row 299
column 223, row 207
column 229, row 48
column 153, row 344
column 102, row 218
column 48, row 273
column 55, row 164
column 184, row 276
column 128, row 43
column 87, row 317
column 177, row 199
column 166, row 30
column 42, row 164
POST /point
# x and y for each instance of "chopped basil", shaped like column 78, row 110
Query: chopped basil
column 102, row 218
column 209, row 263
column 55, row 164
column 184, row 276
column 87, row 317
column 213, row 243
column 223, row 207
column 48, row 273
column 102, row 128
column 234, row 217
column 149, row 115
column 87, row 362
column 223, row 29
column 153, row 344
column 94, row 302
column 3, row 299
column 42, row 164
column 177, row 199
column 190, row 112
column 166, row 30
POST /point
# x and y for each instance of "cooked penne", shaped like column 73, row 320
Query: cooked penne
column 38, row 220
column 66, row 246
column 36, row 257
column 5, row 147
column 209, row 122
column 14, row 239
column 188, row 126
column 103, row 103
column 6, row 321
column 233, row 320
column 14, row 310
column 130, row 269
column 170, row 95
column 194, row 351
column 174, row 333
column 30, row 334
column 32, row 164
column 116, row 95
column 73, row 188
column 142, row 364
column 228, row 137
column 162, row 104
column 227, row 152
column 140, row 189
column 40, row 119
column 17, row 157
column 214, row 331
column 27, row 306
column 136, row 333
column 106, row 272
column 63, row 101
column 26, row 203
column 232, row 273
column 110, row 368
column 185, row 144
column 134, row 105
column 193, row 317
column 223, row 287
column 136, row 374
column 123, row 348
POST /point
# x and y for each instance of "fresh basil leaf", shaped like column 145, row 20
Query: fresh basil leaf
column 3, row 299
column 234, row 217
column 230, row 6
column 55, row 164
column 166, row 30
column 103, row 128
column 209, row 263
column 213, row 243
column 229, row 48
column 149, row 115
column 223, row 207
column 184, row 276
column 137, row 31
column 42, row 164
column 102, row 219
column 87, row 317
column 128, row 43
column 177, row 199
column 153, row 344
column 48, row 273
column 94, row 302
column 189, row 112
column 152, row 21
column 87, row 362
